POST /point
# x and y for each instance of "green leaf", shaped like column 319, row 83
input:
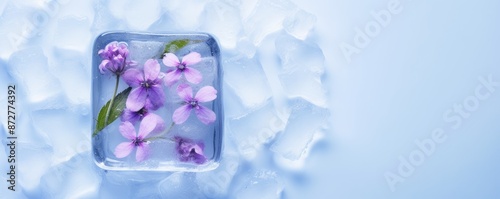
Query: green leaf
column 114, row 113
column 175, row 45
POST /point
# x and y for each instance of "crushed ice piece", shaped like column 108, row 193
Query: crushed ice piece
column 302, row 69
column 267, row 17
column 61, row 126
column 180, row 185
column 137, row 14
column 223, row 20
column 216, row 183
column 29, row 155
column 72, row 33
column 304, row 121
column 29, row 67
column 75, row 80
column 246, row 47
column 263, row 185
column 78, row 177
column 248, row 81
column 300, row 24
column 186, row 12
column 250, row 132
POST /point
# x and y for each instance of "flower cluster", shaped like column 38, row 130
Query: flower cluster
column 115, row 58
column 147, row 96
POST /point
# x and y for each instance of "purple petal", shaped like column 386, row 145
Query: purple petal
column 150, row 123
column 171, row 60
column 172, row 77
column 133, row 77
column 185, row 92
column 136, row 99
column 127, row 130
column 103, row 66
column 123, row 149
column 193, row 75
column 205, row 115
column 131, row 116
column 150, row 106
column 151, row 69
column 206, row 94
column 142, row 152
column 156, row 95
column 181, row 114
column 191, row 58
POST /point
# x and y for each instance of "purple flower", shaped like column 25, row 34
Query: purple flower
column 146, row 85
column 134, row 116
column 150, row 123
column 189, row 151
column 192, row 75
column 205, row 94
column 114, row 58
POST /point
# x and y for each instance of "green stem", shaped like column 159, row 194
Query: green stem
column 112, row 99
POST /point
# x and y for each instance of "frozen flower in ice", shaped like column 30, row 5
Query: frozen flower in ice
column 189, row 151
column 192, row 75
column 114, row 58
column 146, row 85
column 150, row 124
column 205, row 94
column 134, row 116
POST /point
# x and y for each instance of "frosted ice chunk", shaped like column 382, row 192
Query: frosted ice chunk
column 263, row 185
column 75, row 80
column 29, row 68
column 233, row 107
column 267, row 17
column 186, row 12
column 246, row 47
column 180, row 185
column 78, row 177
column 251, row 131
column 216, row 183
column 139, row 15
column 69, row 132
column 72, row 33
column 16, row 27
column 300, row 24
column 246, row 8
column 305, row 120
column 67, row 8
column 302, row 68
column 104, row 20
column 29, row 155
column 164, row 23
column 222, row 20
column 248, row 80
column 299, row 55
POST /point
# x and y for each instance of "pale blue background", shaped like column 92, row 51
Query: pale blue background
column 397, row 89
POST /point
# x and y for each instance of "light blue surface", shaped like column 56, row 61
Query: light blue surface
column 396, row 91
column 429, row 58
